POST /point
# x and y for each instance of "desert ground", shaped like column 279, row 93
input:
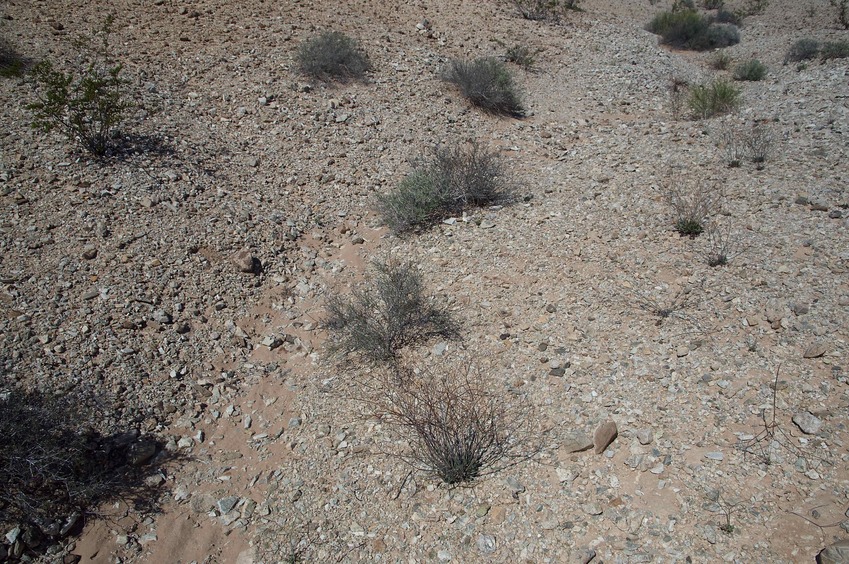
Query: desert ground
column 125, row 277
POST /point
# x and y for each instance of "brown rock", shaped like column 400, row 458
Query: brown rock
column 246, row 262
column 604, row 435
column 815, row 350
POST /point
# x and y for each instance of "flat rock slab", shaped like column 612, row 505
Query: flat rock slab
column 605, row 434
column 809, row 423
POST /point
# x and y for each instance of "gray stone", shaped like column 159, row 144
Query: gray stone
column 226, row 504
column 515, row 486
column 815, row 350
column 605, row 434
column 246, row 262
column 161, row 316
column 440, row 348
column 837, row 553
column 141, row 452
column 592, row 509
column 714, row 456
column 807, row 422
column 583, row 556
column 645, row 436
column 444, row 556
column 576, row 441
column 486, row 544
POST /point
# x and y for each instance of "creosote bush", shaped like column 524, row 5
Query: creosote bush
column 834, row 50
column 544, row 10
column 88, row 107
column 454, row 424
column 752, row 71
column 486, row 83
column 332, row 55
column 389, row 312
column 447, row 182
column 802, row 50
column 688, row 29
column 716, row 98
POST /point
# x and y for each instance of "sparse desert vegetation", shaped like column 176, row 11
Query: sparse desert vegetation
column 448, row 283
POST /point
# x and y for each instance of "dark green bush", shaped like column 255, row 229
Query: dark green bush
column 445, row 183
column 332, row 55
column 486, row 83
column 88, row 108
column 802, row 50
column 752, row 71
column 727, row 17
column 688, row 29
column 718, row 97
column 389, row 312
column 834, row 50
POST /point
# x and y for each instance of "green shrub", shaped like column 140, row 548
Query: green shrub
column 842, row 12
column 713, row 4
column 752, row 71
column 719, row 36
column 486, row 83
column 389, row 312
column 802, row 50
column 332, row 55
column 721, row 60
column 834, row 50
column 445, row 183
column 687, row 29
column 727, row 17
column 544, row 10
column 87, row 108
column 522, row 55
column 716, row 98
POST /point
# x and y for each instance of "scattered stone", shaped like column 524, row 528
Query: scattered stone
column 605, row 434
column 357, row 240
column 576, row 441
column 486, row 544
column 161, row 316
column 658, row 469
column 246, row 262
column 807, row 422
column 185, row 442
column 714, row 456
column 592, row 509
column 837, row 553
column 444, row 556
column 226, row 504
column 141, row 452
column 645, row 436
column 89, row 252
column 583, row 556
column 515, row 486
column 439, row 348
column 682, row 350
column 815, row 350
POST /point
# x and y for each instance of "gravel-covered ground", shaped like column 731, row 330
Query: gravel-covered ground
column 136, row 279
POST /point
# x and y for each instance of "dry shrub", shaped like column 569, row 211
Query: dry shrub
column 692, row 203
column 453, row 423
column 332, row 55
column 488, row 84
column 387, row 313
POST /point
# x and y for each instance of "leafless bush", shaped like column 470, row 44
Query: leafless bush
column 722, row 245
column 755, row 144
column 692, row 203
column 387, row 313
column 759, row 142
column 456, row 427
column 544, row 10
column 53, row 466
column 679, row 91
